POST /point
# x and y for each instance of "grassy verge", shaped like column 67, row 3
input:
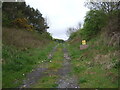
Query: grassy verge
column 52, row 72
column 17, row 63
column 96, row 66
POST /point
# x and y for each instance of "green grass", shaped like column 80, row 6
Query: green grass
column 53, row 66
column 17, row 62
column 57, row 59
column 82, row 80
column 46, row 82
column 96, row 78
column 90, row 73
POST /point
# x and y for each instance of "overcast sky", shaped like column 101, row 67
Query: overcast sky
column 60, row 14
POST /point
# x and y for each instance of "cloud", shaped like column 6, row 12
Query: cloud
column 61, row 14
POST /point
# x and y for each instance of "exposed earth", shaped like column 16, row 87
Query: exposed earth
column 66, row 80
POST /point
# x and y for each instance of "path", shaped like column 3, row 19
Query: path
column 38, row 73
column 66, row 80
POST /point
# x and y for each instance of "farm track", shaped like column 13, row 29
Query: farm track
column 65, row 80
column 38, row 73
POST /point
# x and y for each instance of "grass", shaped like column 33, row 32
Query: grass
column 53, row 67
column 95, row 78
column 17, row 62
column 22, row 51
column 57, row 59
column 82, row 80
column 90, row 73
column 47, row 82
column 24, row 39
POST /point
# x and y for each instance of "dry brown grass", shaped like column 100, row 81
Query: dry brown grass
column 111, row 33
column 22, row 38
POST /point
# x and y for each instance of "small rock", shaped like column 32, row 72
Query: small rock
column 24, row 85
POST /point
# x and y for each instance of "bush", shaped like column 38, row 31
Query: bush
column 94, row 21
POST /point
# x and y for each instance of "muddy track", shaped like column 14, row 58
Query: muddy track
column 66, row 80
column 38, row 73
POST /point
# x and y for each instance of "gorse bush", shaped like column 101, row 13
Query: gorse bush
column 23, row 23
column 22, row 14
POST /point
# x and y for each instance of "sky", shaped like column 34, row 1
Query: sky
column 60, row 14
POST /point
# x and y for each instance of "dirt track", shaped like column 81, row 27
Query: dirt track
column 66, row 80
column 38, row 73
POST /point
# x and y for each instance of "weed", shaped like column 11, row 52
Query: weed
column 46, row 82
column 82, row 80
column 17, row 63
column 53, row 67
column 95, row 76
column 78, row 69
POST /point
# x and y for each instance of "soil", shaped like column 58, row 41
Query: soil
column 33, row 77
column 66, row 80
column 38, row 73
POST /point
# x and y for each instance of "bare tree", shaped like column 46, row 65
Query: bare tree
column 79, row 25
column 70, row 31
column 107, row 7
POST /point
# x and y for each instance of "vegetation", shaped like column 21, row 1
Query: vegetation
column 17, row 63
column 49, row 81
column 25, row 42
column 23, row 39
column 99, row 16
column 59, row 40
column 23, row 16
column 98, row 65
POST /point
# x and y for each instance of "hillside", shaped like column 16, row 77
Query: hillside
column 31, row 58
column 98, row 65
column 25, row 42
column 21, row 52
column 21, row 38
